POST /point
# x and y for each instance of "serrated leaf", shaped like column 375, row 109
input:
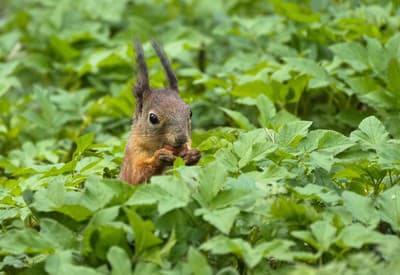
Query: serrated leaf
column 305, row 236
column 323, row 193
column 333, row 143
column 143, row 232
column 240, row 192
column 251, row 89
column 389, row 207
column 392, row 46
column 356, row 235
column 167, row 196
column 77, row 205
column 322, row 160
column 293, row 131
column 211, row 180
column 198, row 263
column 309, row 67
column 393, row 77
column 119, row 261
column 82, row 143
column 278, row 249
column 26, row 241
column 63, row 263
column 352, row 53
column 227, row 159
column 389, row 154
column 58, row 235
column 361, row 208
column 377, row 56
column 239, row 119
column 252, row 146
column 324, row 233
column 222, row 219
column 267, row 110
column 224, row 245
column 371, row 133
column 362, row 85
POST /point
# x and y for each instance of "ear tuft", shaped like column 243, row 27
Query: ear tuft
column 142, row 82
column 171, row 77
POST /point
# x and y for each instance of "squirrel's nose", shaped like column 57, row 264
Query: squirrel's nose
column 180, row 140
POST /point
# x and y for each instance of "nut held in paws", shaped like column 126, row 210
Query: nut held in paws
column 174, row 150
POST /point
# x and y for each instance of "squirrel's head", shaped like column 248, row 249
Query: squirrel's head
column 161, row 116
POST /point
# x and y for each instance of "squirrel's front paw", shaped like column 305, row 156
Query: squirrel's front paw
column 166, row 157
column 191, row 156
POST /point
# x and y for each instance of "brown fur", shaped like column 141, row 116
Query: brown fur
column 144, row 152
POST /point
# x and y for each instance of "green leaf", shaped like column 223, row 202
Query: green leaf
column 277, row 249
column 251, row 89
column 26, row 241
column 64, row 263
column 309, row 67
column 323, row 145
column 168, row 196
column 371, row 133
column 83, row 143
column 324, row 234
column 389, row 207
column 361, row 208
column 145, row 268
column 392, row 46
column 211, row 180
column 104, row 216
column 292, row 132
column 227, row 159
column 321, row 192
column 356, row 235
column 222, row 219
column 242, row 249
column 305, row 236
column 389, row 154
column 267, row 110
column 58, row 235
column 333, row 143
column 99, row 239
column 241, row 192
column 239, row 119
column 295, row 12
column 393, row 77
column 352, row 53
column 77, row 205
column 363, row 85
column 252, row 146
column 143, row 231
column 376, row 54
column 119, row 261
column 322, row 160
column 62, row 48
column 272, row 172
column 198, row 263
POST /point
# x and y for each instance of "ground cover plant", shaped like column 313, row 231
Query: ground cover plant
column 295, row 108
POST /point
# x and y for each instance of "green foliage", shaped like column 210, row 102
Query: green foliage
column 295, row 109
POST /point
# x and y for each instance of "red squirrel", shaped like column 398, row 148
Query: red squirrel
column 161, row 128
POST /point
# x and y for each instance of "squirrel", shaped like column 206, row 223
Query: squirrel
column 161, row 128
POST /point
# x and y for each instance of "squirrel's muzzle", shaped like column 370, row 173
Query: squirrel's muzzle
column 180, row 140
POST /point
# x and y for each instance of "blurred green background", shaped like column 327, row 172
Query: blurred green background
column 66, row 66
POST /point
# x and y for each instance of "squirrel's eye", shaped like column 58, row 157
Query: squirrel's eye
column 153, row 118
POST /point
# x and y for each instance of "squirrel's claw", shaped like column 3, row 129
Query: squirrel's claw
column 166, row 157
column 191, row 156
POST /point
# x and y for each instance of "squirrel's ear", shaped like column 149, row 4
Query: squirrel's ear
column 173, row 82
column 142, row 83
